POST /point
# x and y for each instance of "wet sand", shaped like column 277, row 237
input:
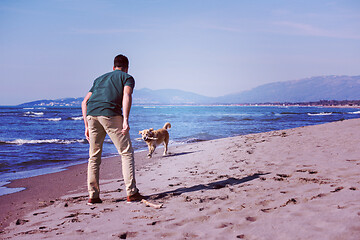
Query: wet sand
column 44, row 189
column 300, row 183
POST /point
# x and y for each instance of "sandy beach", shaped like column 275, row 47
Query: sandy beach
column 300, row 183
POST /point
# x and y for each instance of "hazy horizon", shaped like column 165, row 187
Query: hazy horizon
column 312, row 89
column 55, row 49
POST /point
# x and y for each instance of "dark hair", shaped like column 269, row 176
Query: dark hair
column 121, row 61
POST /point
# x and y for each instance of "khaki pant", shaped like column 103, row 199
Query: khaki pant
column 99, row 126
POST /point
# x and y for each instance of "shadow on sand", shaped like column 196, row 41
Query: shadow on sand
column 210, row 186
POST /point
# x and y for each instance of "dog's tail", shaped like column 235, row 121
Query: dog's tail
column 167, row 125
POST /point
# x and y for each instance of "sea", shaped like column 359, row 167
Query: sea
column 41, row 140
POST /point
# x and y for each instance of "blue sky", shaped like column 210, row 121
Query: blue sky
column 55, row 48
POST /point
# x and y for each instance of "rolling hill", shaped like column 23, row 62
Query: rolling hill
column 303, row 90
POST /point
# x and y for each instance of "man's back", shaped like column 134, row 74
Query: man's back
column 107, row 93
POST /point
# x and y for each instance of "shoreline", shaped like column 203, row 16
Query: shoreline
column 42, row 189
column 256, row 186
column 8, row 174
column 26, row 174
column 50, row 170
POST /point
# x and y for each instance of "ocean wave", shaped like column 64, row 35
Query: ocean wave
column 247, row 119
column 271, row 119
column 75, row 118
column 357, row 112
column 233, row 114
column 53, row 119
column 289, row 113
column 4, row 166
column 226, row 119
column 44, row 141
column 194, row 140
column 33, row 114
column 38, row 162
column 200, row 137
column 320, row 114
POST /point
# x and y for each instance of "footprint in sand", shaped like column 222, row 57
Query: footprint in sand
column 250, row 151
column 106, row 210
column 175, row 184
column 281, row 177
column 318, row 196
column 21, row 221
column 290, row 201
column 126, row 235
column 267, row 210
column 38, row 213
column 338, row 189
column 251, row 219
column 72, row 215
column 224, row 225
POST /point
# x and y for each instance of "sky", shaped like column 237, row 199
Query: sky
column 55, row 49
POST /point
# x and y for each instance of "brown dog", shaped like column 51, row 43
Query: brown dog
column 155, row 138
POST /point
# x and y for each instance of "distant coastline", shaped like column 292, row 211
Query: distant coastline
column 321, row 103
column 327, row 91
column 76, row 102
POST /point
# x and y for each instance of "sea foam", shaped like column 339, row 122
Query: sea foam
column 53, row 119
column 357, row 112
column 76, row 118
column 43, row 141
column 33, row 114
column 319, row 114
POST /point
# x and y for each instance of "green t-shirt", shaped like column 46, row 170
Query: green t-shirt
column 107, row 93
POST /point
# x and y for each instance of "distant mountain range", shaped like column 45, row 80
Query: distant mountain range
column 303, row 90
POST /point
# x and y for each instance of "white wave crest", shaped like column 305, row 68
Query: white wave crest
column 77, row 118
column 53, row 119
column 48, row 141
column 33, row 114
column 319, row 114
column 357, row 112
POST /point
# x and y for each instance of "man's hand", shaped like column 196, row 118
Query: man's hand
column 126, row 106
column 87, row 134
column 125, row 130
column 84, row 109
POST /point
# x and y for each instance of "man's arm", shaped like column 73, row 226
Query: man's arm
column 126, row 106
column 84, row 109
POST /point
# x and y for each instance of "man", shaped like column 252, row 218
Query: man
column 106, row 110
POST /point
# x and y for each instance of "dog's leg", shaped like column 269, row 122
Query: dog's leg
column 151, row 151
column 165, row 149
column 166, row 146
